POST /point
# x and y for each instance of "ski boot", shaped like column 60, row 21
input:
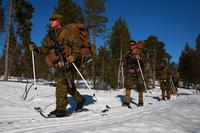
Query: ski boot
column 140, row 104
column 57, row 113
column 163, row 98
column 168, row 97
column 126, row 104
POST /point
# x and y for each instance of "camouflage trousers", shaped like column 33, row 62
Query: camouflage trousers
column 133, row 80
column 128, row 96
column 63, row 89
column 165, row 88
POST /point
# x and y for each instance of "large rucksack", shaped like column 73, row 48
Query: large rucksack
column 82, row 35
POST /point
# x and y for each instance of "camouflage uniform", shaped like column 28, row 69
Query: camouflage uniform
column 70, row 46
column 133, row 78
column 164, row 77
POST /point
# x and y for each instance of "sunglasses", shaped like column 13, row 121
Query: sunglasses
column 133, row 44
column 53, row 19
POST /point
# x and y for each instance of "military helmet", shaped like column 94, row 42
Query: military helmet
column 132, row 42
column 55, row 16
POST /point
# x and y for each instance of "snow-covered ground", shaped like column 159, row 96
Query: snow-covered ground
column 178, row 115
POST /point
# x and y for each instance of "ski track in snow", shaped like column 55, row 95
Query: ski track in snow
column 18, row 116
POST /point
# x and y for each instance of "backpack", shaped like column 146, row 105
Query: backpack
column 81, row 34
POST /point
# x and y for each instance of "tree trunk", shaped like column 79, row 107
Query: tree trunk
column 93, row 64
column 7, row 44
column 119, row 85
column 102, row 73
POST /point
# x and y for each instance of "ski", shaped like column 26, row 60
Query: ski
column 40, row 111
column 129, row 107
column 105, row 111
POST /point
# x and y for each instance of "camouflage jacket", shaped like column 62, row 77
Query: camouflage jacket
column 131, row 64
column 164, row 73
column 69, row 43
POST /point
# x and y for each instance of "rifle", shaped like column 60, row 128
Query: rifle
column 61, row 55
column 62, row 62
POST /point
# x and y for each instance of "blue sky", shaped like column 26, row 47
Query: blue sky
column 174, row 22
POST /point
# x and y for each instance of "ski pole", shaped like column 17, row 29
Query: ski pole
column 122, row 76
column 107, row 107
column 84, row 81
column 145, row 86
column 34, row 80
column 173, row 87
column 122, row 69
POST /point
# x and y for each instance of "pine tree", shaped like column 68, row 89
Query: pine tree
column 156, row 52
column 103, row 68
column 198, row 58
column 6, row 69
column 198, row 45
column 2, row 28
column 2, row 18
column 174, row 67
column 13, row 53
column 93, row 10
column 96, row 23
column 119, row 39
column 23, row 11
column 186, row 66
column 70, row 12
column 189, row 65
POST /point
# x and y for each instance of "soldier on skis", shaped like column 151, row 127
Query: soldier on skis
column 133, row 78
column 164, row 77
column 71, row 48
